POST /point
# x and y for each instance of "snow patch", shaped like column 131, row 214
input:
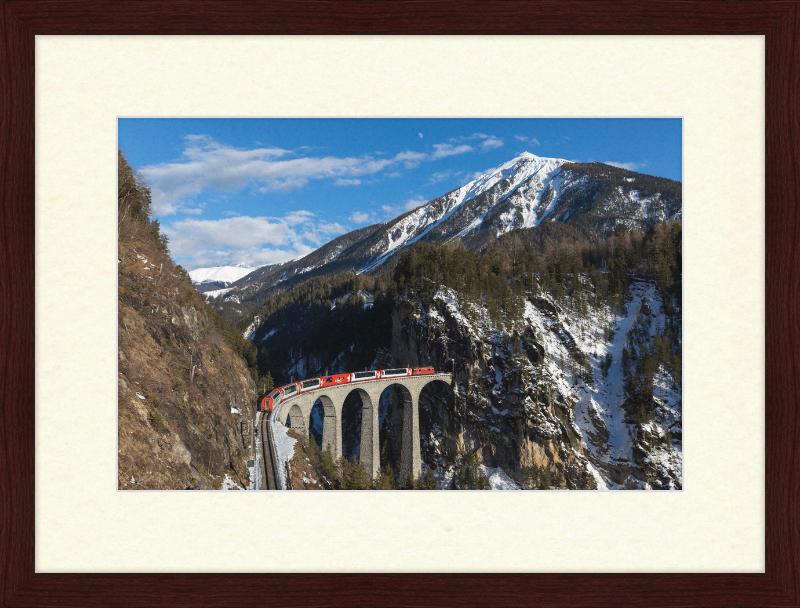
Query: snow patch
column 284, row 446
column 229, row 484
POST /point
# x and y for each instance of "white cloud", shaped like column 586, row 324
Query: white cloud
column 207, row 164
column 394, row 174
column 420, row 135
column 443, row 150
column 410, row 158
column 628, row 166
column 491, row 143
column 347, row 182
column 210, row 165
column 442, row 176
column 438, row 177
column 360, row 218
column 255, row 241
column 415, row 202
column 532, row 140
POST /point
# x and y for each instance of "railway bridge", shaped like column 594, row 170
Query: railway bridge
column 298, row 410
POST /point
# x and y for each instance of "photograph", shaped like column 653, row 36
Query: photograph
column 399, row 303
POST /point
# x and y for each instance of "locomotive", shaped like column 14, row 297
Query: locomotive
column 269, row 402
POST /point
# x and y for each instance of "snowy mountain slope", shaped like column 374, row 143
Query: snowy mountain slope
column 525, row 192
column 522, row 193
column 220, row 274
column 611, row 440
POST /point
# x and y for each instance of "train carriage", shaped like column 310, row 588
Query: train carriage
column 336, row 379
column 289, row 390
column 396, row 373
column 271, row 400
column 310, row 385
column 361, row 376
column 423, row 370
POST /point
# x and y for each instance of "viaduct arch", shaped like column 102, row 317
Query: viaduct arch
column 298, row 410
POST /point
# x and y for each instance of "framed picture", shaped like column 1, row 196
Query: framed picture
column 28, row 481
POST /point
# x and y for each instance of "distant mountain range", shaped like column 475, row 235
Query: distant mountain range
column 527, row 192
column 218, row 277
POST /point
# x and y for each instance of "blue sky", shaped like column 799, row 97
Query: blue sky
column 260, row 191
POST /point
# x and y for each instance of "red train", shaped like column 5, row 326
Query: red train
column 295, row 388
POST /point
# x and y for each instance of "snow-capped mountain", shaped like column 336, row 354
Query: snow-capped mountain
column 218, row 277
column 525, row 192
column 528, row 192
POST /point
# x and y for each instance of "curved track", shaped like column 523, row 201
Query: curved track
column 269, row 477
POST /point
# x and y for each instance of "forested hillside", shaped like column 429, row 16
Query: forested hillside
column 567, row 363
column 529, row 197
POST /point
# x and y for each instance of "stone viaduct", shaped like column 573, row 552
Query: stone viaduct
column 298, row 410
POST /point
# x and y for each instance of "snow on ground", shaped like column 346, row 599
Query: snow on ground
column 498, row 479
column 496, row 476
column 216, row 293
column 284, row 446
column 601, row 482
column 248, row 333
column 270, row 333
column 229, row 484
column 598, row 407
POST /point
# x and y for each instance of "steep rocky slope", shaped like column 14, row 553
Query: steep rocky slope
column 184, row 395
column 521, row 401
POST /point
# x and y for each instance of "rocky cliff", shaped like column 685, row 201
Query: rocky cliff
column 523, row 402
column 184, row 395
column 507, row 404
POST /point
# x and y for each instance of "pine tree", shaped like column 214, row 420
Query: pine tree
column 269, row 383
column 481, row 481
column 358, row 477
column 329, row 466
column 385, row 479
column 545, row 478
column 429, row 483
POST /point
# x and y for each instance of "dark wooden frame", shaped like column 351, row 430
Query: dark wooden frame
column 778, row 20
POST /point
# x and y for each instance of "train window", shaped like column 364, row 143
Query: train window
column 310, row 383
column 396, row 371
column 328, row 379
column 364, row 375
column 290, row 389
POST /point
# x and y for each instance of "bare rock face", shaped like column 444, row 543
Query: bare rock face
column 501, row 405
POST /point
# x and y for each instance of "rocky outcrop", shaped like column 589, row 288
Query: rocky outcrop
column 503, row 404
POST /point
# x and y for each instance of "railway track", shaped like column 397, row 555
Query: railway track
column 269, row 476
